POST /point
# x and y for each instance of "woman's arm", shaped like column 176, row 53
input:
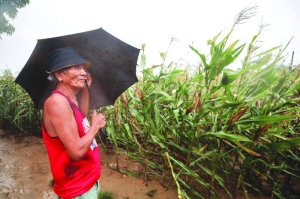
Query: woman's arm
column 85, row 97
column 57, row 111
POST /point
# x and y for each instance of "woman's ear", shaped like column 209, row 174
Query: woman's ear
column 58, row 75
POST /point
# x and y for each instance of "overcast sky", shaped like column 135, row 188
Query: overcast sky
column 191, row 22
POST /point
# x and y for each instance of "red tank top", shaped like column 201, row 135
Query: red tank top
column 72, row 178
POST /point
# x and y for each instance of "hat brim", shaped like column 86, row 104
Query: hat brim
column 86, row 65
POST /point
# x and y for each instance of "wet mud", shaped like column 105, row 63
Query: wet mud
column 25, row 173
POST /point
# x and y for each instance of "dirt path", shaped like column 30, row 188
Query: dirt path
column 25, row 173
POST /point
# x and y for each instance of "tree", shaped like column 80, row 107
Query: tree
column 9, row 10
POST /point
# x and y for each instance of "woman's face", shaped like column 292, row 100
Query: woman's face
column 74, row 76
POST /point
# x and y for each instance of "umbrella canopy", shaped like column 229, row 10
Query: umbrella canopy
column 113, row 66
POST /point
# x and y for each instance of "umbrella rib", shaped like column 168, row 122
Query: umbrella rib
column 87, row 86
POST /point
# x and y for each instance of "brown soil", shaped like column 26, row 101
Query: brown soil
column 25, row 173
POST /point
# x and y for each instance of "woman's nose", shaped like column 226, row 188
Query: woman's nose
column 83, row 70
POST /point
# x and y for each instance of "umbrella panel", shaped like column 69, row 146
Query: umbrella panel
column 113, row 66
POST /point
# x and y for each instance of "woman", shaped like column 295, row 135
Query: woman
column 69, row 138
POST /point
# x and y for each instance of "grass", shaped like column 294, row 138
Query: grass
column 106, row 195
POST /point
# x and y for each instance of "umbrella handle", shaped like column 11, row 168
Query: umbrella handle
column 87, row 86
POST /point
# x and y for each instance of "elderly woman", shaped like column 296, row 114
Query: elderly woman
column 69, row 138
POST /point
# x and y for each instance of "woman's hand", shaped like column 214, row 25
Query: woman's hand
column 98, row 120
column 84, row 95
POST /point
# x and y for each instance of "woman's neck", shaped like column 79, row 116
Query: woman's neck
column 68, row 92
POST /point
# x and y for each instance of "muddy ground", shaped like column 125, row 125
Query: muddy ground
column 25, row 173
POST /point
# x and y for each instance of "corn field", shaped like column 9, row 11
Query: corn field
column 217, row 129
column 17, row 111
column 213, row 131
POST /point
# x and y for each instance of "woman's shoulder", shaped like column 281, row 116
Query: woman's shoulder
column 56, row 101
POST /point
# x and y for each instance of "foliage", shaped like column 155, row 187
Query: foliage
column 9, row 10
column 17, row 111
column 218, row 128
column 106, row 195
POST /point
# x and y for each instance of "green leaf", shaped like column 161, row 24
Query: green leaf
column 227, row 136
column 182, row 149
column 157, row 141
column 130, row 173
column 154, row 128
column 111, row 130
column 265, row 119
column 157, row 115
column 202, row 57
column 267, row 51
column 285, row 144
column 128, row 132
column 137, row 114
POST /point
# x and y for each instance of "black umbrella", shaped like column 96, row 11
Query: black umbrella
column 113, row 66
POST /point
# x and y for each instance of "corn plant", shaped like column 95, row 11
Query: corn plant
column 216, row 126
column 17, row 111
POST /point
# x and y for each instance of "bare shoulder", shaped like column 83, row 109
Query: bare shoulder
column 56, row 102
column 57, row 110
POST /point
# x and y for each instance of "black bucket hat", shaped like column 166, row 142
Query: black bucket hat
column 63, row 58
